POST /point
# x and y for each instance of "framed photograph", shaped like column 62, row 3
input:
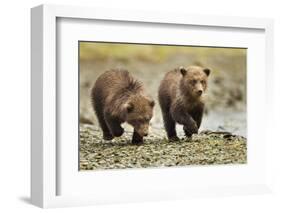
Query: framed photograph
column 131, row 106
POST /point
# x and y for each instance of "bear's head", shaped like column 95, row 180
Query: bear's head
column 194, row 81
column 138, row 113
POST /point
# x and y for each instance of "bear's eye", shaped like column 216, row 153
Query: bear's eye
column 146, row 120
column 137, row 121
column 134, row 122
column 202, row 82
column 193, row 81
column 141, row 120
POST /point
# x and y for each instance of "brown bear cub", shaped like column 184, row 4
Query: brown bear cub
column 117, row 97
column 181, row 99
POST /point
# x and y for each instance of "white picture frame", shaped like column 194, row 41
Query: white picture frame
column 44, row 149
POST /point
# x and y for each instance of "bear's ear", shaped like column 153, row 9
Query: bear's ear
column 207, row 71
column 129, row 107
column 183, row 70
column 150, row 101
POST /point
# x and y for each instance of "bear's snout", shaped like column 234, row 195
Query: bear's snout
column 143, row 133
column 142, row 130
column 199, row 92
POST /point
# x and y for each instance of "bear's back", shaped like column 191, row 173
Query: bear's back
column 114, row 84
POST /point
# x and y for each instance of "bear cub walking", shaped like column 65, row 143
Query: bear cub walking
column 180, row 97
column 117, row 98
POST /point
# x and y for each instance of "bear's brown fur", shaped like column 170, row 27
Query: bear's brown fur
column 180, row 97
column 117, row 97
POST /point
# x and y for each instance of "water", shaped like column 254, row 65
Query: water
column 227, row 120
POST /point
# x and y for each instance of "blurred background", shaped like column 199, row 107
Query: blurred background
column 226, row 94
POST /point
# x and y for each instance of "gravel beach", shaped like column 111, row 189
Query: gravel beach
column 203, row 149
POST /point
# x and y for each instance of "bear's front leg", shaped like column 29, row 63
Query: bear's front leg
column 137, row 139
column 183, row 118
column 107, row 136
column 116, row 129
column 193, row 127
column 190, row 129
column 114, row 126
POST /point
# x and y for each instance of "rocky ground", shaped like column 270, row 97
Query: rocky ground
column 204, row 149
